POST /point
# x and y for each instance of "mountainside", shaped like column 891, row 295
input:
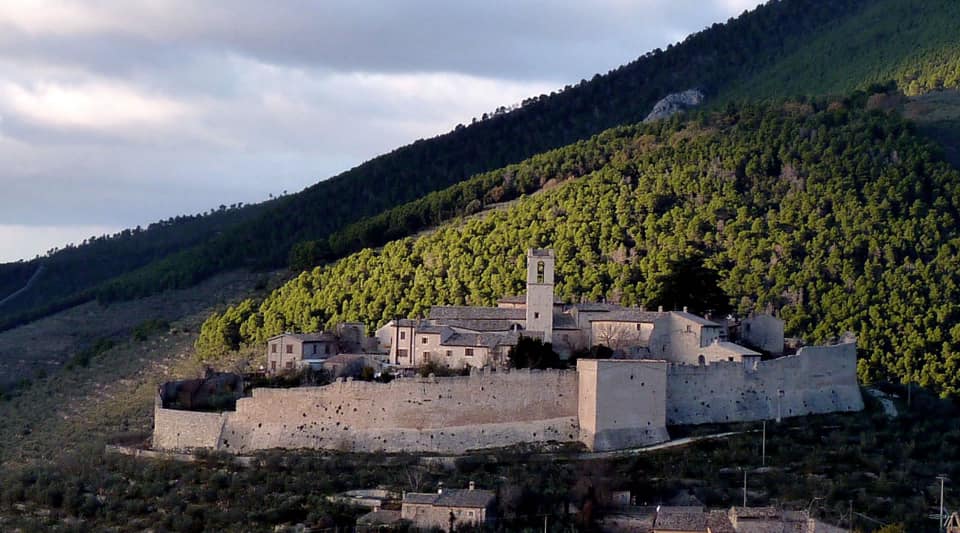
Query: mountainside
column 69, row 276
column 838, row 218
column 780, row 49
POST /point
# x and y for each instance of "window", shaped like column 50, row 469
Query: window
column 273, row 365
column 638, row 327
column 468, row 352
column 426, row 356
column 273, row 348
column 540, row 271
column 688, row 328
column 536, row 315
column 702, row 360
column 313, row 348
column 403, row 335
column 289, row 348
column 423, row 340
column 730, row 358
column 289, row 365
column 401, row 353
column 326, row 349
column 449, row 353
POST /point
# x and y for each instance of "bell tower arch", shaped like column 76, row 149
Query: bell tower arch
column 540, row 267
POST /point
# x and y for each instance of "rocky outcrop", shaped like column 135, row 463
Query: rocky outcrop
column 674, row 103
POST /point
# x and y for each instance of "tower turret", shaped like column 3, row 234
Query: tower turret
column 540, row 292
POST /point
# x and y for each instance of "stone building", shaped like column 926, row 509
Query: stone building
column 459, row 336
column 449, row 507
column 291, row 351
column 288, row 351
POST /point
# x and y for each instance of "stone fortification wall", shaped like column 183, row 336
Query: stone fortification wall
column 442, row 415
column 174, row 429
column 818, row 379
column 622, row 403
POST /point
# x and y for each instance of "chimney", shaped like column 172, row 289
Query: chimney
column 471, row 485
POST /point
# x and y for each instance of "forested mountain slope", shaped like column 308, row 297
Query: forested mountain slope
column 838, row 218
column 782, row 48
column 70, row 275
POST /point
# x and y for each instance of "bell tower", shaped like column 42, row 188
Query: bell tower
column 540, row 292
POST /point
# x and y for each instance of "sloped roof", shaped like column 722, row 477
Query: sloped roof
column 464, row 312
column 382, row 517
column 481, row 325
column 681, row 519
column 308, row 337
column 735, row 348
column 628, row 315
column 694, row 318
column 452, row 498
column 564, row 321
column 719, row 522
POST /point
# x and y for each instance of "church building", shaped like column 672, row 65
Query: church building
column 459, row 336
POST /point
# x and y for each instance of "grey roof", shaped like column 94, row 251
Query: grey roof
column 719, row 522
column 308, row 337
column 681, row 519
column 522, row 299
column 627, row 315
column 564, row 321
column 420, row 497
column 463, row 312
column 430, row 329
column 482, row 325
column 489, row 340
column 694, row 318
column 736, row 348
column 377, row 518
column 452, row 498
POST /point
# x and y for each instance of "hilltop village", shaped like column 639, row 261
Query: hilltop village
column 668, row 368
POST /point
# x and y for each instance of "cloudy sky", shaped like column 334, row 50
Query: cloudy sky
column 117, row 113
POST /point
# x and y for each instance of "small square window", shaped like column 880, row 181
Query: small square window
column 423, row 340
column 468, row 352
column 536, row 315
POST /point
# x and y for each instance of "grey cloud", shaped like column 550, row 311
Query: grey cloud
column 279, row 95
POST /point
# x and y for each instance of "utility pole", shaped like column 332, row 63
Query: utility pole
column 940, row 519
column 850, row 523
column 763, row 448
column 744, row 487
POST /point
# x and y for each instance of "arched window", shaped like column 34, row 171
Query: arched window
column 702, row 360
column 540, row 271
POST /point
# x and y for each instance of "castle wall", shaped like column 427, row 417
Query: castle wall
column 175, row 429
column 607, row 404
column 622, row 403
column 442, row 415
column 819, row 379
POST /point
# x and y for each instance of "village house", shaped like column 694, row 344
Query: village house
column 292, row 351
column 449, row 507
column 459, row 336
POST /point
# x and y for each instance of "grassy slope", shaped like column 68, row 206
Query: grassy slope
column 114, row 394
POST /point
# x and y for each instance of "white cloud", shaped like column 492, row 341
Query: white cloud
column 97, row 106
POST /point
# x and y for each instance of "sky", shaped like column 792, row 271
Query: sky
column 118, row 113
